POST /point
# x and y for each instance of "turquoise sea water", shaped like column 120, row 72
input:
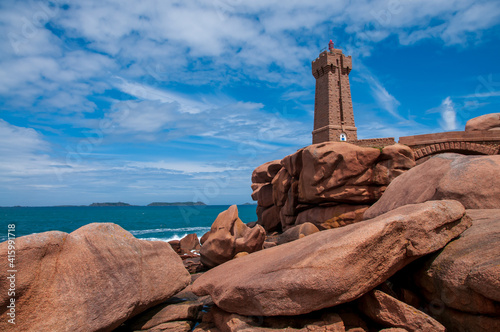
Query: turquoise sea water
column 145, row 222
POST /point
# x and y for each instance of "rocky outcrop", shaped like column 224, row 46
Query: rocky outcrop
column 193, row 264
column 269, row 218
column 189, row 243
column 463, row 280
column 333, row 266
column 388, row 311
column 92, row 279
column 228, row 236
column 328, row 184
column 175, row 244
column 265, row 173
column 188, row 249
column 484, row 122
column 471, row 180
column 262, row 177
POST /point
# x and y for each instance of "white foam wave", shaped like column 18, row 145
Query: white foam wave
column 175, row 237
column 161, row 230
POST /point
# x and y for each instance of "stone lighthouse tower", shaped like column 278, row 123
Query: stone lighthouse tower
column 333, row 114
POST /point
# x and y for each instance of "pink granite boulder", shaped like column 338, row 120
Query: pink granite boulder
column 465, row 275
column 228, row 236
column 484, row 122
column 472, row 180
column 333, row 266
column 92, row 279
column 388, row 311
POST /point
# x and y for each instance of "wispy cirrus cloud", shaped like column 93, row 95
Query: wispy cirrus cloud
column 145, row 92
column 483, row 95
column 448, row 115
column 383, row 98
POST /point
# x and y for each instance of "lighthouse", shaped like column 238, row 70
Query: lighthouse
column 333, row 113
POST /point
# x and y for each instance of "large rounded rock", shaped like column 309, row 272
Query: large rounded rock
column 472, row 180
column 484, row 122
column 266, row 172
column 333, row 266
column 346, row 173
column 264, row 195
column 90, row 280
column 465, row 275
column 269, row 218
column 188, row 243
column 388, row 311
column 229, row 236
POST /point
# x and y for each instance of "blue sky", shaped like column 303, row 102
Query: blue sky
column 142, row 101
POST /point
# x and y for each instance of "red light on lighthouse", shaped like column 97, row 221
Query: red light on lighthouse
column 330, row 45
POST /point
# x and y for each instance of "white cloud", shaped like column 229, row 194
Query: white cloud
column 19, row 141
column 204, row 41
column 144, row 92
column 146, row 116
column 236, row 122
column 48, row 186
column 23, row 152
column 448, row 115
column 383, row 98
column 471, row 19
column 183, row 167
column 483, row 95
column 57, row 83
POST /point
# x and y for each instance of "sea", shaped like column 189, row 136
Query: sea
column 154, row 223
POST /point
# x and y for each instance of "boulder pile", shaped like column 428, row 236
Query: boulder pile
column 328, row 184
column 331, row 267
column 464, row 278
column 228, row 237
column 188, row 249
column 418, row 250
column 425, row 257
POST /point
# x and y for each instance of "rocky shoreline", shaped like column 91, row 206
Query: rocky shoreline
column 348, row 238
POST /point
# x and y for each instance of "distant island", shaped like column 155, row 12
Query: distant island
column 176, row 203
column 110, row 204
